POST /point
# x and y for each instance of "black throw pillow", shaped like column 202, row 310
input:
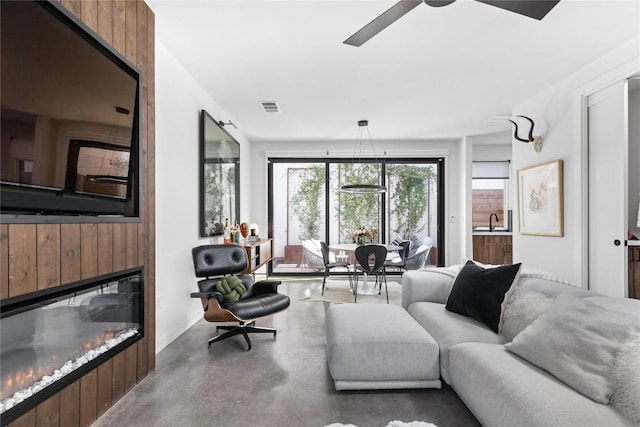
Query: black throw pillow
column 481, row 293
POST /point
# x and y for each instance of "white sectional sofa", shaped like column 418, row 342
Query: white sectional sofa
column 505, row 378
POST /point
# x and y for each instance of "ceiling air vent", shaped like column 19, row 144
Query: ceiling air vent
column 270, row 106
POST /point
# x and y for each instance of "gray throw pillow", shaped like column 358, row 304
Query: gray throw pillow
column 576, row 341
column 522, row 309
column 626, row 379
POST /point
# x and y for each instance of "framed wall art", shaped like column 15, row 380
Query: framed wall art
column 540, row 200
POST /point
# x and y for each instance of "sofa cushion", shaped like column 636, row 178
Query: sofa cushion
column 576, row 341
column 501, row 389
column 481, row 293
column 449, row 329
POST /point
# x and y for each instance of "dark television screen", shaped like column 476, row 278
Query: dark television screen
column 69, row 117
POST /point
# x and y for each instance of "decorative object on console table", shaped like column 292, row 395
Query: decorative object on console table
column 244, row 230
column 227, row 232
column 540, row 199
column 254, row 233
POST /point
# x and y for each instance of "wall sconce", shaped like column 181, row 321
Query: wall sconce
column 537, row 140
column 229, row 123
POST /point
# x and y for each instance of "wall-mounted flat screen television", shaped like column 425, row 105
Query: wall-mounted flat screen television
column 69, row 117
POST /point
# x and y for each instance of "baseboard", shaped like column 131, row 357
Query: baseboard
column 170, row 336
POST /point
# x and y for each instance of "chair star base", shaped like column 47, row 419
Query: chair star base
column 244, row 329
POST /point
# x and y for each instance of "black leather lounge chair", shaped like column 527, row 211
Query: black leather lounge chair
column 219, row 262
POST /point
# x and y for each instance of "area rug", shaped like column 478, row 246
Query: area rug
column 394, row 423
column 338, row 292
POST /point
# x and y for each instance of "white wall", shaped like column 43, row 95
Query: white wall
column 492, row 153
column 450, row 150
column 179, row 100
column 557, row 113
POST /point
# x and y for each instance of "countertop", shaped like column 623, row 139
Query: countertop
column 633, row 242
column 493, row 233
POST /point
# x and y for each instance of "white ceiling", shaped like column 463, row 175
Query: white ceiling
column 435, row 73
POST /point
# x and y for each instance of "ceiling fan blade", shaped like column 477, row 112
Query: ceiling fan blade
column 536, row 9
column 394, row 13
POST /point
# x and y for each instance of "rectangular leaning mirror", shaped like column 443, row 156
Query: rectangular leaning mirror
column 219, row 177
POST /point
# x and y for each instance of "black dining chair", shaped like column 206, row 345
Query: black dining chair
column 370, row 260
column 328, row 265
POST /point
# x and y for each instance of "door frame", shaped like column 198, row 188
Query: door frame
column 581, row 148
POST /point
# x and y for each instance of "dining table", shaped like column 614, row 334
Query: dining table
column 343, row 248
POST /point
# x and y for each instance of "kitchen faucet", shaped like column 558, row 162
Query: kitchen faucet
column 490, row 219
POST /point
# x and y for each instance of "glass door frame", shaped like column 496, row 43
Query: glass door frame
column 439, row 162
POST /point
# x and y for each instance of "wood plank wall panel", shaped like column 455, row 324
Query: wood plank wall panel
column 89, row 13
column 105, row 20
column 88, row 250
column 48, row 255
column 26, row 420
column 38, row 256
column 4, row 261
column 131, row 245
column 22, row 259
column 119, row 25
column 131, row 35
column 48, row 413
column 70, row 405
column 118, row 387
column 131, row 366
column 70, row 262
column 105, row 248
column 88, row 398
column 105, row 387
column 119, row 244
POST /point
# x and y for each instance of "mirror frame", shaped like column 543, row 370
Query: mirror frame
column 233, row 213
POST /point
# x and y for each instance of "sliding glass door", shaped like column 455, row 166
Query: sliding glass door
column 306, row 206
column 413, row 206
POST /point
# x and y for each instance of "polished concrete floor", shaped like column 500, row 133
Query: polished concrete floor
column 280, row 382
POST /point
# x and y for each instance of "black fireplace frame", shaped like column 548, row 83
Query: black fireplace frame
column 18, row 304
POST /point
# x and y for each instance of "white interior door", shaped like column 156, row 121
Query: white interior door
column 608, row 181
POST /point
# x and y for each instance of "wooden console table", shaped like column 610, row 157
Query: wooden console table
column 258, row 254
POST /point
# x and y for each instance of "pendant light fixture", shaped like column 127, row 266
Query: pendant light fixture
column 363, row 188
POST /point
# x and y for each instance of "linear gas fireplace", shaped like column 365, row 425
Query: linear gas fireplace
column 52, row 337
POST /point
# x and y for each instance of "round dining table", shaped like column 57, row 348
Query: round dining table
column 365, row 289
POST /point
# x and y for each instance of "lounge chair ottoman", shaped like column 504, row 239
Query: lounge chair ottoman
column 379, row 346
